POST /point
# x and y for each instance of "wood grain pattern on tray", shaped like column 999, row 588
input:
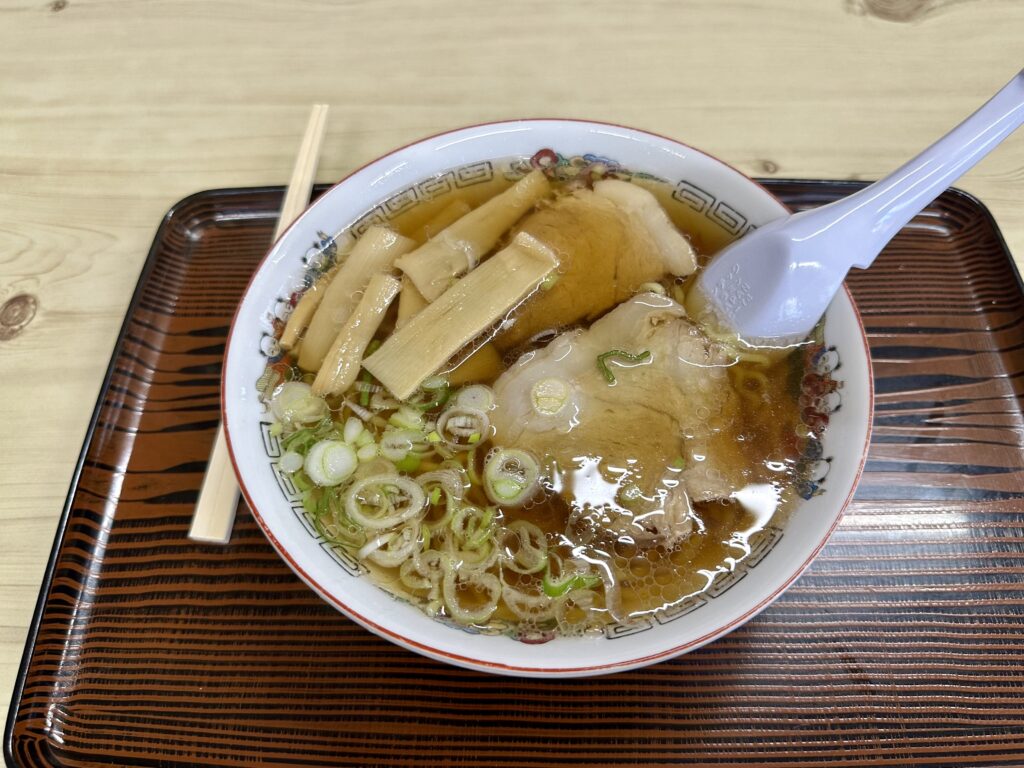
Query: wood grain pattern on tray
column 902, row 644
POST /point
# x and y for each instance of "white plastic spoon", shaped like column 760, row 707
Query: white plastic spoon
column 774, row 284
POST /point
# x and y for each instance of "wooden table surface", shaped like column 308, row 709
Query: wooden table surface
column 110, row 111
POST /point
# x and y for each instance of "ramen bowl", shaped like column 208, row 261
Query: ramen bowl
column 727, row 204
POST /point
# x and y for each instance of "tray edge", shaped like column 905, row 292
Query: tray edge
column 32, row 636
column 165, row 222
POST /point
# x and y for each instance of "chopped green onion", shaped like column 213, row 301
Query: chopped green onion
column 381, row 401
column 353, row 428
column 602, row 366
column 458, row 424
column 367, row 452
column 477, row 396
column 393, row 548
column 451, row 481
column 473, row 525
column 458, row 582
column 364, row 438
column 524, row 547
column 511, row 476
column 549, row 396
column 365, row 390
column 474, row 478
column 556, row 588
column 529, row 606
column 478, row 557
column 407, row 418
column 411, row 577
column 309, row 504
column 330, row 462
column 434, row 382
column 365, row 386
column 505, row 488
column 396, row 444
column 359, row 411
column 276, row 429
column 432, row 393
column 323, row 506
column 434, row 437
column 302, row 482
column 379, row 502
column 409, row 463
column 294, row 403
column 290, row 461
column 435, row 495
column 300, row 440
column 679, row 463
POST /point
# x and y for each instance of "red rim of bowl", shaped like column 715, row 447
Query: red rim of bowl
column 490, row 666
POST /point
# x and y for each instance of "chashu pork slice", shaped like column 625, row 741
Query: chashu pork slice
column 609, row 242
column 628, row 457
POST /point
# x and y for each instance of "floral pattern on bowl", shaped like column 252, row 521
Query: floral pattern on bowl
column 820, row 394
column 710, row 190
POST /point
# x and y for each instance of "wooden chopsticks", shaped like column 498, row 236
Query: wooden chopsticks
column 218, row 497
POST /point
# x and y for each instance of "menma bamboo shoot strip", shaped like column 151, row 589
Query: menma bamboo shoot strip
column 448, row 215
column 461, row 313
column 675, row 250
column 303, row 312
column 341, row 365
column 459, row 247
column 410, row 302
column 375, row 252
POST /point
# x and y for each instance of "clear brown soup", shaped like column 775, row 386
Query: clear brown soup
column 646, row 577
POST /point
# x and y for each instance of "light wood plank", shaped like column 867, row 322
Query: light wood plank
column 114, row 110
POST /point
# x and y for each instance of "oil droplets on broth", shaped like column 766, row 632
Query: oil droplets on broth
column 499, row 406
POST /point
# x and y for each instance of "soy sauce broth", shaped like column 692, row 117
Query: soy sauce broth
column 771, row 439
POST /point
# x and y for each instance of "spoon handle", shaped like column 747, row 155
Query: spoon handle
column 864, row 222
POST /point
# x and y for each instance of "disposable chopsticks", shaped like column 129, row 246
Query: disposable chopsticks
column 218, row 497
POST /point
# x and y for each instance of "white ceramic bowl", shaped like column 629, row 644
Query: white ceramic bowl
column 709, row 187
